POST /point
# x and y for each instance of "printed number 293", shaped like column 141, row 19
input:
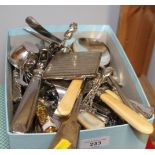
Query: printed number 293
column 95, row 143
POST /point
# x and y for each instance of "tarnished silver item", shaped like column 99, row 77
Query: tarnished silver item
column 87, row 103
column 24, row 115
column 19, row 56
column 38, row 35
column 68, row 35
column 16, row 87
column 33, row 23
column 74, row 65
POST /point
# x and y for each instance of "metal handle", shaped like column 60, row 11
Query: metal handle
column 16, row 94
column 24, row 115
column 64, row 139
column 68, row 140
column 139, row 108
column 67, row 136
column 33, row 23
column 38, row 35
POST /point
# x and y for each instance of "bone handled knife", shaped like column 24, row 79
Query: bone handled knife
column 137, row 121
column 66, row 104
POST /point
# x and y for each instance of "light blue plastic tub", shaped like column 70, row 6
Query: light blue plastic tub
column 122, row 136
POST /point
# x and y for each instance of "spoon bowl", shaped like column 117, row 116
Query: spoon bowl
column 19, row 56
column 90, row 44
column 93, row 45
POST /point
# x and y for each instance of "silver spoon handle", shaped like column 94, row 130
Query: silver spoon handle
column 69, row 33
column 16, row 93
column 20, row 79
column 139, row 108
column 24, row 115
column 33, row 23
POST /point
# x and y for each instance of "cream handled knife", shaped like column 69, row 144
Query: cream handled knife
column 66, row 104
column 137, row 121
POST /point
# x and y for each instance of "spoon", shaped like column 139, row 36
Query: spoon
column 92, row 44
column 19, row 56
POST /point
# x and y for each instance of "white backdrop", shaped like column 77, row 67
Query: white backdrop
column 14, row 16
